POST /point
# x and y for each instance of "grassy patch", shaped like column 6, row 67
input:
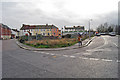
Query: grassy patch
column 52, row 43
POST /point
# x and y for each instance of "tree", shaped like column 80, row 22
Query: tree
column 110, row 29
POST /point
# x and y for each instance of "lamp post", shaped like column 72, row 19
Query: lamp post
column 89, row 27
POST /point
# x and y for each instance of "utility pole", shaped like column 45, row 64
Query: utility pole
column 89, row 28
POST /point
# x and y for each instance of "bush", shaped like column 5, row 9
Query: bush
column 51, row 43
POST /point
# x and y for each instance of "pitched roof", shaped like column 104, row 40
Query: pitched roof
column 15, row 30
column 24, row 27
column 74, row 27
column 4, row 26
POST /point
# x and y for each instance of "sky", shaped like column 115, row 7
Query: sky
column 61, row 13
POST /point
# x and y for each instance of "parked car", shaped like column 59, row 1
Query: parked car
column 112, row 34
column 98, row 34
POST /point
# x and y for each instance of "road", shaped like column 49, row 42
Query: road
column 98, row 60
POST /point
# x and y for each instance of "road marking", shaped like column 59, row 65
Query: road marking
column 72, row 56
column 115, row 44
column 106, row 60
column 47, row 53
column 118, row 61
column 52, row 54
column 87, row 53
column 92, row 50
column 84, row 58
column 65, row 55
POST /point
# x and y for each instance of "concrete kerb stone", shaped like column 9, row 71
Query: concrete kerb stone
column 30, row 49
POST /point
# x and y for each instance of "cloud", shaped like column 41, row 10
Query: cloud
column 60, row 13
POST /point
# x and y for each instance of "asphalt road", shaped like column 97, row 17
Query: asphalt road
column 98, row 60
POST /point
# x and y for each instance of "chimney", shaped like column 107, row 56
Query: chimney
column 46, row 24
column 23, row 24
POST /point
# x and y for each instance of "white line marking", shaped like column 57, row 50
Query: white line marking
column 117, row 61
column 72, row 56
column 65, row 55
column 106, row 60
column 52, row 54
column 84, row 58
column 92, row 58
column 115, row 44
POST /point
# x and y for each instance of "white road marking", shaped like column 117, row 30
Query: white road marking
column 115, row 44
column 84, row 58
column 106, row 60
column 65, row 55
column 92, row 50
column 52, row 54
column 47, row 53
column 87, row 53
column 117, row 61
column 92, row 58
column 72, row 56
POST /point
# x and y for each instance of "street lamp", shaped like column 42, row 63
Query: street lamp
column 89, row 27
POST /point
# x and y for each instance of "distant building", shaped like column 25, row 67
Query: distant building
column 15, row 33
column 5, row 32
column 45, row 30
column 74, row 28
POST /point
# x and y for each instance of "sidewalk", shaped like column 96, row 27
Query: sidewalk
column 85, row 43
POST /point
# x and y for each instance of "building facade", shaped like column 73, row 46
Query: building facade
column 45, row 30
column 15, row 33
column 5, row 32
column 74, row 28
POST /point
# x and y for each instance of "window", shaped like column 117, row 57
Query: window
column 54, row 33
column 38, row 29
column 48, row 34
column 41, row 29
column 50, row 29
column 44, row 29
column 31, row 29
column 44, row 34
column 56, row 29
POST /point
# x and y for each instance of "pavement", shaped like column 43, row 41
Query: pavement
column 85, row 43
column 97, row 60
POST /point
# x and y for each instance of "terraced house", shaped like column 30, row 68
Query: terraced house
column 74, row 28
column 45, row 30
column 5, row 32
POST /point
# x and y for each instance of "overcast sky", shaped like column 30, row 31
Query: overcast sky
column 59, row 12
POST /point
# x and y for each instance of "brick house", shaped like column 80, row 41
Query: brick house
column 5, row 32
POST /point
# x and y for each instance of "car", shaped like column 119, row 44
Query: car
column 112, row 34
column 98, row 34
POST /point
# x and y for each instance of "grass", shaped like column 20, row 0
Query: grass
column 50, row 43
column 53, row 43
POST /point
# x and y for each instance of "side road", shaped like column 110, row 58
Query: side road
column 85, row 43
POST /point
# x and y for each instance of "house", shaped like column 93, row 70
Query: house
column 74, row 28
column 15, row 33
column 45, row 30
column 5, row 32
column 59, row 33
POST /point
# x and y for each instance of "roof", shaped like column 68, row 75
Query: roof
column 4, row 26
column 15, row 30
column 24, row 27
column 74, row 27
